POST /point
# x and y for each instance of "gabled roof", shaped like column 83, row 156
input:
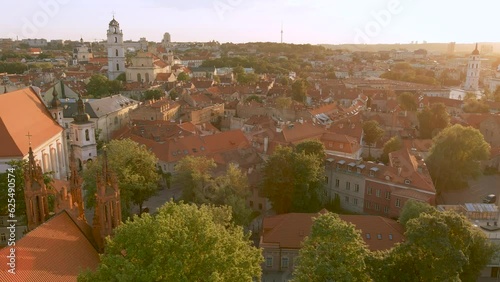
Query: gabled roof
column 289, row 230
column 23, row 111
column 54, row 251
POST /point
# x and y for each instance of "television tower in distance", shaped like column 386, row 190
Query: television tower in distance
column 281, row 32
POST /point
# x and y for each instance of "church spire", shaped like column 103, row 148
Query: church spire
column 107, row 213
column 35, row 192
column 81, row 116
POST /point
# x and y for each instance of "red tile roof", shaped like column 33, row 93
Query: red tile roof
column 55, row 251
column 289, row 230
column 23, row 111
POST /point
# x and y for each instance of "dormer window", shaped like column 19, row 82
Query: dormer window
column 368, row 236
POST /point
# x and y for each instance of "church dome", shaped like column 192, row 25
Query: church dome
column 113, row 22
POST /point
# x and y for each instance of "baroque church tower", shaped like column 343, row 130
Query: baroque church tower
column 116, row 50
column 473, row 71
column 83, row 135
column 55, row 108
column 107, row 214
column 35, row 193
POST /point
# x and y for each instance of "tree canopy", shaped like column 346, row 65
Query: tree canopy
column 183, row 242
column 391, row 145
column 195, row 175
column 293, row 179
column 334, row 251
column 439, row 246
column 100, row 86
column 407, row 101
column 455, row 155
column 135, row 168
column 432, row 120
column 372, row 132
column 153, row 94
column 299, row 90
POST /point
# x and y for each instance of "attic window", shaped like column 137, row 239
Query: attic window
column 368, row 236
column 379, row 236
column 195, row 150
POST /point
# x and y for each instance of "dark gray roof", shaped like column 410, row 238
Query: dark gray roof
column 70, row 108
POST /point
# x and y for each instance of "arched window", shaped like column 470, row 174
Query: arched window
column 147, row 77
column 76, row 134
column 116, row 52
column 116, row 39
column 139, row 77
column 87, row 135
column 117, row 66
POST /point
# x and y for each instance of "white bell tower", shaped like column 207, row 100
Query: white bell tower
column 473, row 71
column 83, row 135
column 116, row 51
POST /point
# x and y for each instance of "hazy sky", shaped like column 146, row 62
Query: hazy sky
column 313, row 21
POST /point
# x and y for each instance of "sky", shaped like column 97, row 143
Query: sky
column 237, row 21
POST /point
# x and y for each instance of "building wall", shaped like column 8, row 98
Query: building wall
column 348, row 185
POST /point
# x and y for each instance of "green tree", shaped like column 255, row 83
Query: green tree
column 334, row 251
column 442, row 246
column 195, row 175
column 299, row 90
column 232, row 189
column 183, row 77
column 293, row 180
column 135, row 168
column 391, row 145
column 98, row 86
column 476, row 106
column 432, row 120
column 455, row 155
column 372, row 132
column 407, row 101
column 153, row 94
column 183, row 242
column 412, row 209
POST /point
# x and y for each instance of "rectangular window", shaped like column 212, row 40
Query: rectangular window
column 356, row 188
column 369, row 191
column 348, row 185
column 3, row 238
column 251, row 204
column 346, row 199
column 398, row 203
column 337, row 183
column 269, row 262
column 355, row 201
column 388, row 195
column 368, row 204
column 377, row 193
column 284, row 262
column 377, row 207
column 326, row 179
column 386, row 210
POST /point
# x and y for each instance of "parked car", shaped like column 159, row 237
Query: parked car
column 490, row 199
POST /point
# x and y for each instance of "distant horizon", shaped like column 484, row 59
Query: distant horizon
column 315, row 22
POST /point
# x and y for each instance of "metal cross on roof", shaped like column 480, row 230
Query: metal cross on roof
column 29, row 137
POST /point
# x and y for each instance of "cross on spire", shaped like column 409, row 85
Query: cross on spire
column 113, row 13
column 29, row 137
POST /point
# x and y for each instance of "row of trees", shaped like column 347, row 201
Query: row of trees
column 186, row 242
column 439, row 246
